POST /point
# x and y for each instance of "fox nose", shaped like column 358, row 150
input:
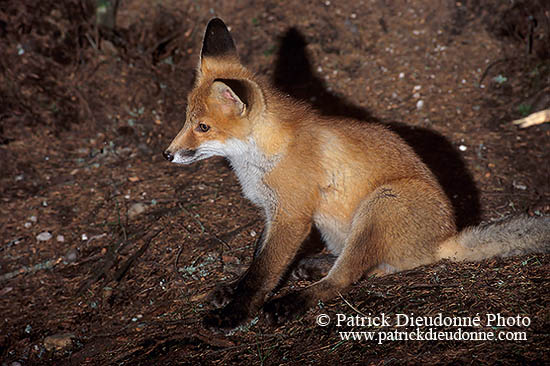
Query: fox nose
column 168, row 155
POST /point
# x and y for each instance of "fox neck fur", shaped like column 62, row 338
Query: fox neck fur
column 250, row 165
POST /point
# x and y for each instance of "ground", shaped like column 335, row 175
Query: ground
column 108, row 252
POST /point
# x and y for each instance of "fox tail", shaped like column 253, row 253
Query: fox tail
column 516, row 236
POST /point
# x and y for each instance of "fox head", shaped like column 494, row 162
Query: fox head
column 223, row 105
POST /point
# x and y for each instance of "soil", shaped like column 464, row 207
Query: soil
column 108, row 252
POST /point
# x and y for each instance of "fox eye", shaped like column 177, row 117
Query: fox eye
column 203, row 127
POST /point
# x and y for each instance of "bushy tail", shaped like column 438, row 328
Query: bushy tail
column 515, row 236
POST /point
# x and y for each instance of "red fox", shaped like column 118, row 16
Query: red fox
column 379, row 209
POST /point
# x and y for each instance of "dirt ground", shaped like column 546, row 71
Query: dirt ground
column 108, row 252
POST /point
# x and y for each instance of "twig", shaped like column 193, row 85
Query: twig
column 49, row 264
column 491, row 65
column 203, row 229
column 351, row 306
column 126, row 265
column 102, row 269
column 533, row 119
column 180, row 250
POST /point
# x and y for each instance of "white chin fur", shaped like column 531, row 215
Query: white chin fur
column 212, row 148
column 183, row 159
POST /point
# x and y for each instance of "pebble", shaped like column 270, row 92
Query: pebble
column 28, row 225
column 462, row 148
column 59, row 342
column 520, row 186
column 72, row 255
column 419, row 104
column 136, row 209
column 44, row 236
column 107, row 292
column 60, row 238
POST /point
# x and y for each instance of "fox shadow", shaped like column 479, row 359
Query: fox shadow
column 293, row 75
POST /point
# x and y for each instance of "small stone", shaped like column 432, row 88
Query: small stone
column 72, row 255
column 136, row 209
column 107, row 292
column 520, row 186
column 44, row 236
column 84, row 151
column 33, row 218
column 59, row 342
column 462, row 148
column 60, row 238
column 28, row 225
column 419, row 104
column 401, row 75
column 229, row 259
column 84, row 237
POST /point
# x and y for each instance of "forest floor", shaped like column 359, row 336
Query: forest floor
column 108, row 252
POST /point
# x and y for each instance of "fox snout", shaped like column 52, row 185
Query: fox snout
column 168, row 155
column 182, row 156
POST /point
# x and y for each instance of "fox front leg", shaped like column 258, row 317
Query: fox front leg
column 282, row 240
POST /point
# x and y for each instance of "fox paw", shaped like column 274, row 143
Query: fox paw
column 283, row 309
column 222, row 295
column 313, row 268
column 225, row 319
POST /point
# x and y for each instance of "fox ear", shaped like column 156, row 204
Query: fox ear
column 237, row 97
column 227, row 99
column 217, row 41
